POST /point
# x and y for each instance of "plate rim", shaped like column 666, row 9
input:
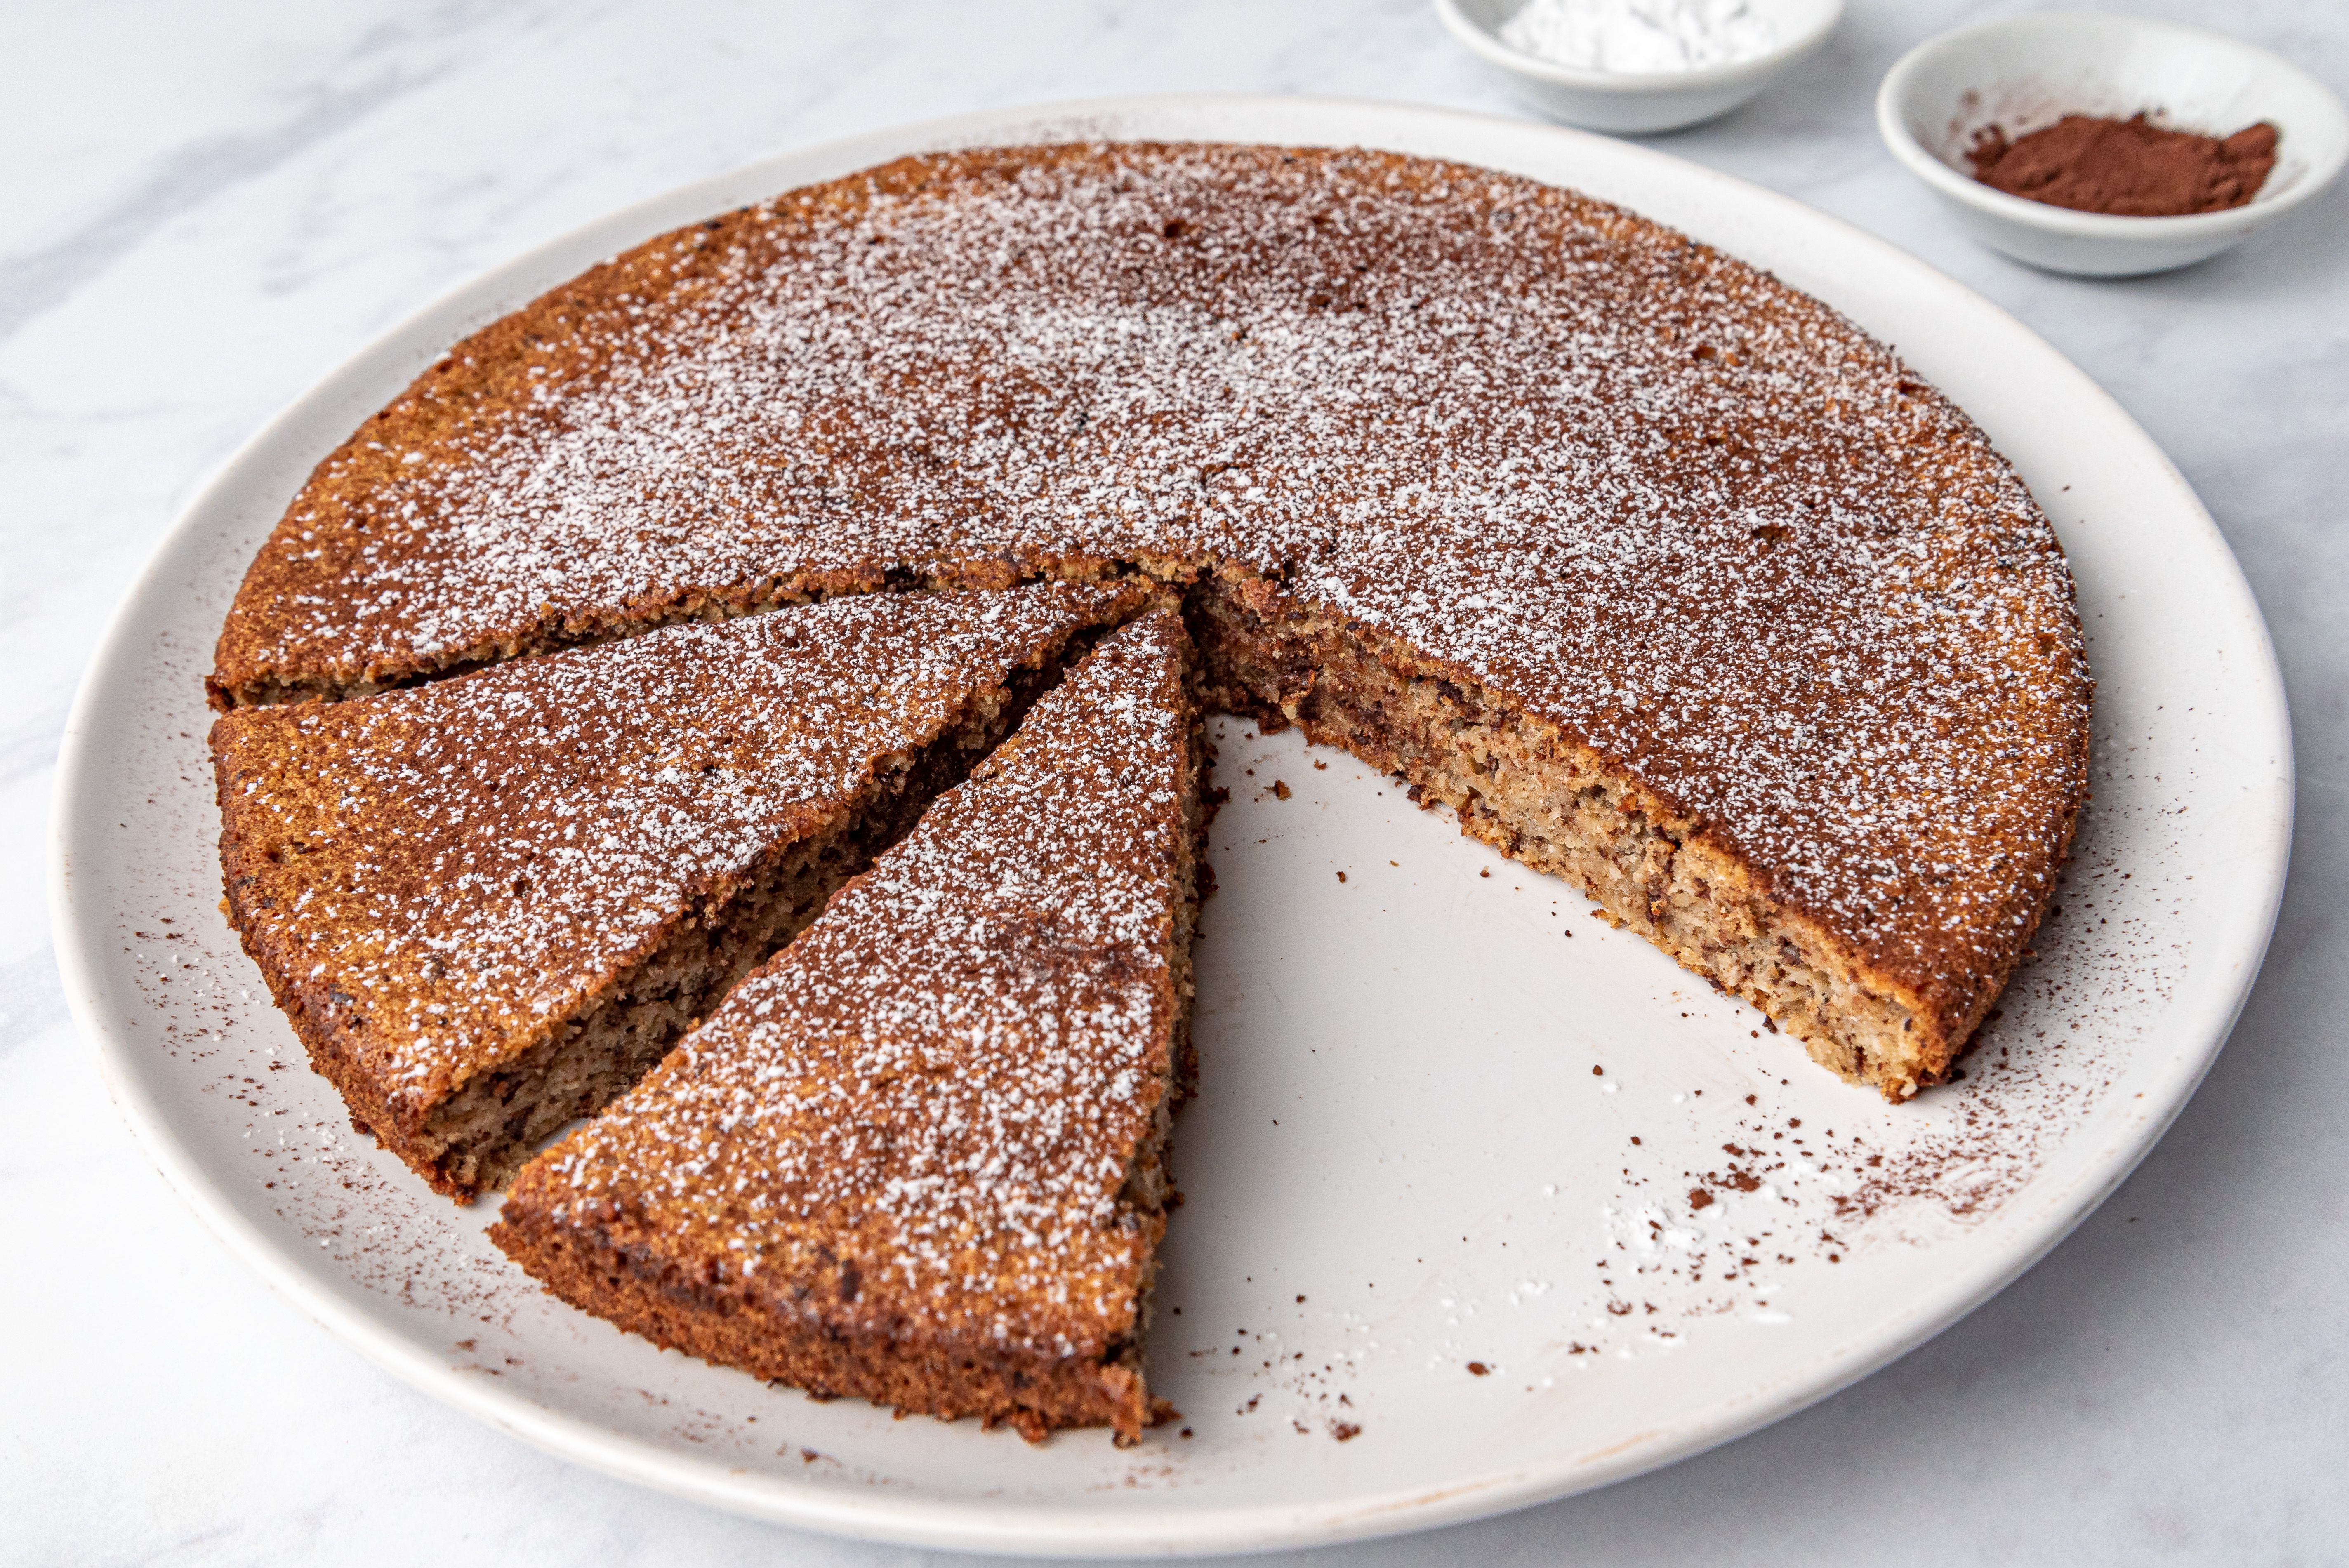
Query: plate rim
column 1057, row 1528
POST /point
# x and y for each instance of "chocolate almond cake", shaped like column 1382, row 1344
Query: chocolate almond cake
column 919, row 1157
column 491, row 904
column 1660, row 574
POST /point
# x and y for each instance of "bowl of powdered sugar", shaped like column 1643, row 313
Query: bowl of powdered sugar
column 1639, row 66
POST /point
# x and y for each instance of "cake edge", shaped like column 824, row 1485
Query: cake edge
column 1648, row 863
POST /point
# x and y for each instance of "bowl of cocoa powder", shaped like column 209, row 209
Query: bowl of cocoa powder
column 2110, row 145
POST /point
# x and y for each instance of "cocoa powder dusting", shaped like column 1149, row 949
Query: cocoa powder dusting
column 2130, row 167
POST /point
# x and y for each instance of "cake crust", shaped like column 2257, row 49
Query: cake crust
column 919, row 1158
column 1632, row 515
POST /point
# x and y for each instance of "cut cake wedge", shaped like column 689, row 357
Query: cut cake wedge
column 919, row 1157
column 491, row 904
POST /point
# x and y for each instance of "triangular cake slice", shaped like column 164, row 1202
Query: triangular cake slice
column 919, row 1157
column 491, row 904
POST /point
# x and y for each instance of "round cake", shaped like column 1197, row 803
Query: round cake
column 1660, row 574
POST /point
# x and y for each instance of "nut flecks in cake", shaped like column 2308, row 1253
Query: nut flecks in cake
column 1691, row 515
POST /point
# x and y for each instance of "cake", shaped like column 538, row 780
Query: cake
column 919, row 1156
column 1660, row 574
column 491, row 904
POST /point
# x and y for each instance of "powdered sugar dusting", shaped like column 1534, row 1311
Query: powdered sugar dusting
column 1690, row 514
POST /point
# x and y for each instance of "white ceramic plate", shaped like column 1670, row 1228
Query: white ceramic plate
column 1405, row 1164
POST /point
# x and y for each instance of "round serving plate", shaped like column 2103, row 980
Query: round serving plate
column 1487, row 1203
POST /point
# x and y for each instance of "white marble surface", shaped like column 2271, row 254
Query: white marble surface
column 204, row 209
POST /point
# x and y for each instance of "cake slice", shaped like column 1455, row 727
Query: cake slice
column 491, row 904
column 919, row 1157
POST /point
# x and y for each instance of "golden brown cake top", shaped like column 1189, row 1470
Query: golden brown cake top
column 460, row 865
column 917, row 1118
column 1691, row 514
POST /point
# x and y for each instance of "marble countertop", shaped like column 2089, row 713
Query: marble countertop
column 204, row 209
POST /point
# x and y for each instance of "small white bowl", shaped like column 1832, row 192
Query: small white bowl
column 1642, row 101
column 2027, row 72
